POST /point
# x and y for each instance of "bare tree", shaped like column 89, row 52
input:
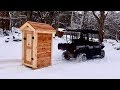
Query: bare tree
column 112, row 26
column 76, row 19
column 49, row 17
column 100, row 19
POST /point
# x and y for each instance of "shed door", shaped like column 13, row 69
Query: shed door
column 28, row 47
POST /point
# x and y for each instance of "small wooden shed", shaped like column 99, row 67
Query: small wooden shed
column 37, row 44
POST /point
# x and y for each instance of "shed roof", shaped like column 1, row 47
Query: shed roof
column 38, row 26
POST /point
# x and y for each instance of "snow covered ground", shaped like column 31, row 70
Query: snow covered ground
column 106, row 68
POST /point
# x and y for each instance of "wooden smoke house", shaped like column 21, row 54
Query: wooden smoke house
column 37, row 44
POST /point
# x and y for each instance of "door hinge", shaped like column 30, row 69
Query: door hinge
column 31, row 58
column 32, row 37
column 24, row 38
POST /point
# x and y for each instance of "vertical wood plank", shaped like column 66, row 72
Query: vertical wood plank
column 25, row 36
column 23, row 47
column 35, row 50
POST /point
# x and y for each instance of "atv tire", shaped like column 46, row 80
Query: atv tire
column 81, row 57
column 66, row 55
column 102, row 54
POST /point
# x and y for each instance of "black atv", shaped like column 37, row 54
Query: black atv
column 83, row 43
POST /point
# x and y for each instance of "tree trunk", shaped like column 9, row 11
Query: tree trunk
column 56, row 21
column 101, row 21
column 84, row 20
column 10, row 15
column 116, row 36
column 30, row 17
column 101, row 32
column 71, row 19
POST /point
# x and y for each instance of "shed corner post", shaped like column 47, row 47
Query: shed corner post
column 22, row 47
column 35, row 35
column 53, row 36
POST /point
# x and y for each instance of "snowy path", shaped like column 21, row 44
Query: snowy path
column 10, row 64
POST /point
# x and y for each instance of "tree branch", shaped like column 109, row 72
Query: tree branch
column 106, row 14
column 96, row 16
